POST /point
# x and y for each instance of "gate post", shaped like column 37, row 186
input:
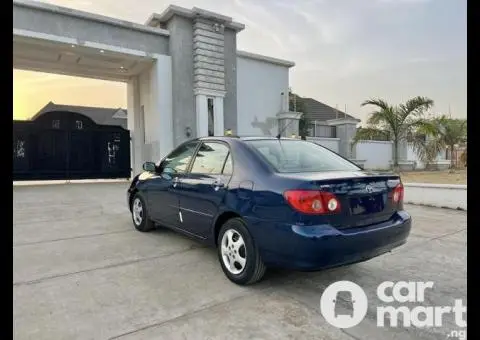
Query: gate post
column 135, row 126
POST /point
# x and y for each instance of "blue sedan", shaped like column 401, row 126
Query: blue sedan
column 269, row 202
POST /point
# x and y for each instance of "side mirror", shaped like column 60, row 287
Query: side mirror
column 149, row 166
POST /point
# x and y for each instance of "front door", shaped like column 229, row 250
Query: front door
column 162, row 194
column 203, row 189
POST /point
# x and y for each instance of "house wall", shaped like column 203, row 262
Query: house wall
column 155, row 97
column 377, row 154
column 330, row 143
column 259, row 96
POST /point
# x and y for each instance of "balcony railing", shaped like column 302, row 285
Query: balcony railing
column 322, row 130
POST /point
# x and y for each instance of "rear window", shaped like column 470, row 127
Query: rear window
column 300, row 156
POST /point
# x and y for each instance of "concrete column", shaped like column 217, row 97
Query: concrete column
column 201, row 109
column 218, row 118
column 135, row 125
column 402, row 151
column 160, row 114
column 290, row 120
column 346, row 130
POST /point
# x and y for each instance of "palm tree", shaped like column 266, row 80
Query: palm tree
column 448, row 133
column 445, row 133
column 400, row 121
column 427, row 149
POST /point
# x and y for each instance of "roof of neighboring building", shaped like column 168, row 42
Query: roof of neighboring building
column 317, row 111
column 100, row 115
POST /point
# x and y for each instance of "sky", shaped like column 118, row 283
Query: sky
column 345, row 51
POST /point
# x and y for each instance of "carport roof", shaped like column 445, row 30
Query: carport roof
column 87, row 15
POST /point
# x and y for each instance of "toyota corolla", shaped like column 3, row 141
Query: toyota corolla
column 270, row 202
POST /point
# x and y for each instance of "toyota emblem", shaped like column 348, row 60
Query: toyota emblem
column 369, row 188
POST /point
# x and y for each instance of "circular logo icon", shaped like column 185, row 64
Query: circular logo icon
column 344, row 304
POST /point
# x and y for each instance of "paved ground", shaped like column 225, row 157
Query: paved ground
column 82, row 272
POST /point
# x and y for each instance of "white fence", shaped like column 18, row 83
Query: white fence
column 376, row 154
column 330, row 143
column 436, row 195
column 412, row 156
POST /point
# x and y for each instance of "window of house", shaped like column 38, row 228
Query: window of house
column 211, row 119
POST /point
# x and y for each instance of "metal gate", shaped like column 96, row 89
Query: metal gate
column 68, row 145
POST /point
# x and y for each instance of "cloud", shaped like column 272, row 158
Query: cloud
column 418, row 60
column 345, row 51
column 404, row 1
column 259, row 19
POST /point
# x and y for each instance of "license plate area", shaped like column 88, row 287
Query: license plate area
column 366, row 205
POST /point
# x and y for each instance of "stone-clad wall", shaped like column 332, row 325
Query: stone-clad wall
column 208, row 55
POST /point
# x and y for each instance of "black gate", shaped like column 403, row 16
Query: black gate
column 68, row 145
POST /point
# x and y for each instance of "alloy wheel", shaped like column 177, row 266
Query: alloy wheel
column 233, row 250
column 137, row 210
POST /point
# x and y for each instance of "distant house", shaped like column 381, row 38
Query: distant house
column 318, row 114
column 100, row 115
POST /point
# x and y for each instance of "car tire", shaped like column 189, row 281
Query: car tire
column 236, row 247
column 140, row 216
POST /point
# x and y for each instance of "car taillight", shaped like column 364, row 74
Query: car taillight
column 313, row 201
column 398, row 194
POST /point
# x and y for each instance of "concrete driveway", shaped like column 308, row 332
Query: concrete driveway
column 80, row 271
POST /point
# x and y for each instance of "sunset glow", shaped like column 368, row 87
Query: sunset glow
column 33, row 90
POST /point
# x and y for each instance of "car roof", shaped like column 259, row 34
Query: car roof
column 243, row 138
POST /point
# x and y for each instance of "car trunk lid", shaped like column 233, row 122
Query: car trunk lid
column 365, row 198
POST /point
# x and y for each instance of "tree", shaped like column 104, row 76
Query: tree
column 295, row 103
column 426, row 148
column 369, row 133
column 448, row 133
column 463, row 157
column 400, row 121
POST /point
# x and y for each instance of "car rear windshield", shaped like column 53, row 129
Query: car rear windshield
column 300, row 156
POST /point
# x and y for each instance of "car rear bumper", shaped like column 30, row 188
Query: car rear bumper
column 311, row 248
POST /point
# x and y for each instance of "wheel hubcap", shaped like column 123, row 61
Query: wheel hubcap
column 137, row 211
column 234, row 254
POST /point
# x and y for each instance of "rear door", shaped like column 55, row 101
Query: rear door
column 203, row 189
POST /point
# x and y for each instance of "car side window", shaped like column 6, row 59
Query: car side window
column 179, row 159
column 228, row 167
column 210, row 158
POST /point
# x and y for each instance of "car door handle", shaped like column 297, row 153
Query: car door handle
column 175, row 181
column 218, row 183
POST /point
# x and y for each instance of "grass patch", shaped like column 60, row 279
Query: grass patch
column 437, row 177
